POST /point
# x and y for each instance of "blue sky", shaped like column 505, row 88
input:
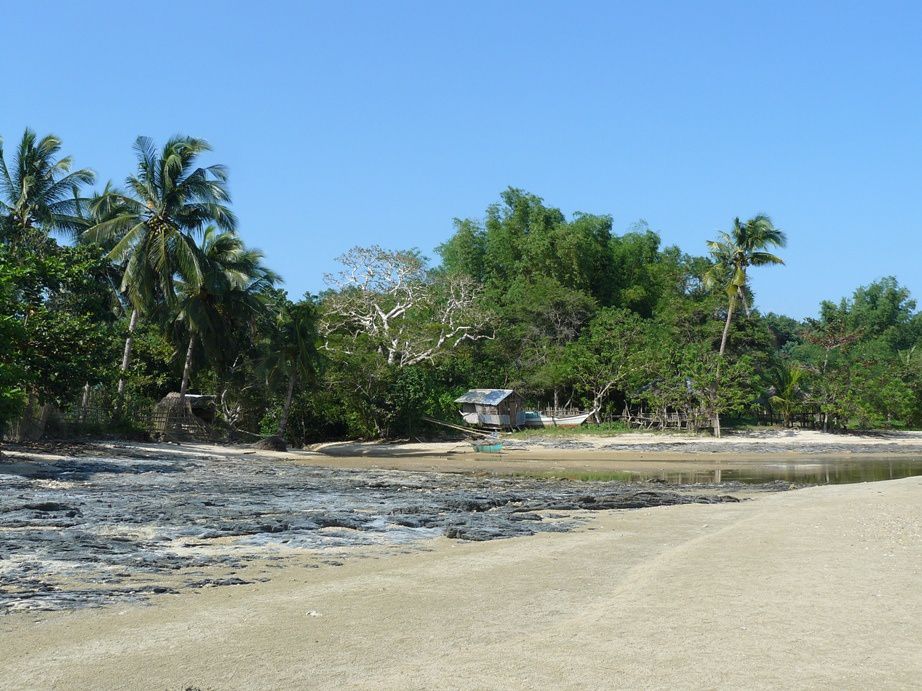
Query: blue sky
column 347, row 123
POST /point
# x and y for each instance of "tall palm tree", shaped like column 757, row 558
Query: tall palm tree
column 38, row 191
column 732, row 254
column 233, row 281
column 151, row 225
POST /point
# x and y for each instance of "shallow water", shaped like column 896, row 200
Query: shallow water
column 826, row 471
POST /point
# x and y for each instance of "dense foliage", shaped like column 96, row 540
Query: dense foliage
column 110, row 300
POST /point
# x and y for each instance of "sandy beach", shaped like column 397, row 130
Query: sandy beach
column 814, row 588
column 811, row 588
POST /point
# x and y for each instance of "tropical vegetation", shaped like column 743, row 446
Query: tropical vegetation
column 113, row 297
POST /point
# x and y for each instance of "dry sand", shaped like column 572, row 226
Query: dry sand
column 813, row 588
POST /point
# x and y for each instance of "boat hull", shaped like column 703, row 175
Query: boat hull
column 533, row 419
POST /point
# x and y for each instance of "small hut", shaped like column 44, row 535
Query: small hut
column 187, row 422
column 492, row 408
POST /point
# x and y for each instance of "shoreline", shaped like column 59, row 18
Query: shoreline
column 781, row 590
column 578, row 453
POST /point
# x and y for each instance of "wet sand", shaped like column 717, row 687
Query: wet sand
column 813, row 588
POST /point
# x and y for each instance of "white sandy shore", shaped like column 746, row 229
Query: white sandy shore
column 808, row 589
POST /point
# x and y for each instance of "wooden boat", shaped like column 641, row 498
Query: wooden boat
column 534, row 418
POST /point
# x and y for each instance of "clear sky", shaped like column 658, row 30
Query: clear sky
column 348, row 123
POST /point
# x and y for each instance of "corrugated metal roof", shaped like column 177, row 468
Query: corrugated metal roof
column 485, row 396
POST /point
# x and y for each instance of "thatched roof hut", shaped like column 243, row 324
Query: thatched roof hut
column 172, row 421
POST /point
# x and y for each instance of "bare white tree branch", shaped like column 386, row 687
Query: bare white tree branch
column 393, row 302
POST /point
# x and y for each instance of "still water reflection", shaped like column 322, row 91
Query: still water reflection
column 800, row 471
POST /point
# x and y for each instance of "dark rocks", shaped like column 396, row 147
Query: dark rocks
column 104, row 523
column 273, row 443
column 47, row 506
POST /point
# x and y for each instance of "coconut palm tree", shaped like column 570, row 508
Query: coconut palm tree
column 233, row 281
column 732, row 254
column 151, row 225
column 38, row 191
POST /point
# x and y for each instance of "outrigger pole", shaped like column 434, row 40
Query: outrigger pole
column 469, row 430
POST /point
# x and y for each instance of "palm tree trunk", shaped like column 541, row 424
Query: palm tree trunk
column 187, row 370
column 283, row 421
column 723, row 338
column 126, row 358
column 742, row 294
column 723, row 347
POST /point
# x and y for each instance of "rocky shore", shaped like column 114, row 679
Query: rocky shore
column 96, row 524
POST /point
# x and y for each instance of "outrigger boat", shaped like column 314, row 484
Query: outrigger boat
column 536, row 419
column 488, row 442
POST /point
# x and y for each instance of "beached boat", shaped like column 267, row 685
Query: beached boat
column 486, row 447
column 534, row 418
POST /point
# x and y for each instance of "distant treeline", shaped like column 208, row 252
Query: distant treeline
column 110, row 299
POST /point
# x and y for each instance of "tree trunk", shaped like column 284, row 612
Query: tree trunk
column 723, row 347
column 742, row 294
column 187, row 370
column 723, row 338
column 126, row 358
column 598, row 399
column 283, row 421
column 84, row 402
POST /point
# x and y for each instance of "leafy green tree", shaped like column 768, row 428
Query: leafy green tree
column 12, row 337
column 787, row 396
column 858, row 355
column 66, row 312
column 465, row 252
column 510, row 227
column 610, row 355
column 884, row 309
column 62, row 309
column 637, row 270
column 291, row 354
column 540, row 317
